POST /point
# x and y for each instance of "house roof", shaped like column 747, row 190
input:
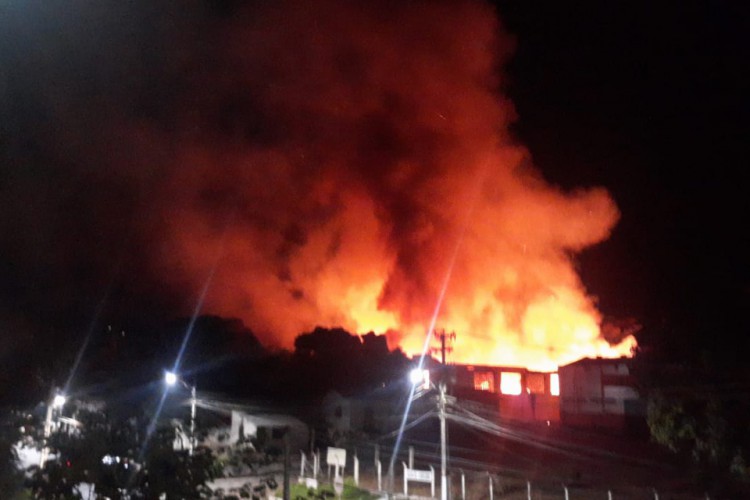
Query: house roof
column 598, row 361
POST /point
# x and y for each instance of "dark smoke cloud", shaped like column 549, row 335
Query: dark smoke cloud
column 322, row 157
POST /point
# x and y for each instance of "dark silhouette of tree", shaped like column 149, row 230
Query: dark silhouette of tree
column 11, row 479
column 334, row 359
column 698, row 399
column 108, row 452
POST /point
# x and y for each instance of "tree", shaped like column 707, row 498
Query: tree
column 697, row 405
column 11, row 478
column 176, row 473
column 334, row 359
column 110, row 453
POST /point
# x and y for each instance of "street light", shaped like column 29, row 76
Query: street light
column 171, row 378
column 421, row 377
column 56, row 401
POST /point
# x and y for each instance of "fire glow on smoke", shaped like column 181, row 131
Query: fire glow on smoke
column 358, row 142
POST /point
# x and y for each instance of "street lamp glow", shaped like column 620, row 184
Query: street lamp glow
column 57, row 402
column 420, row 376
column 171, row 378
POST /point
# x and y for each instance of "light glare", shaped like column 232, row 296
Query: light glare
column 170, row 378
column 420, row 377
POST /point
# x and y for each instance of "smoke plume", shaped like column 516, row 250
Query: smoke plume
column 321, row 160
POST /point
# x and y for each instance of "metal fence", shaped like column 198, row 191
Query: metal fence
column 467, row 479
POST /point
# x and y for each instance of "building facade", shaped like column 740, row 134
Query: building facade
column 600, row 392
column 518, row 393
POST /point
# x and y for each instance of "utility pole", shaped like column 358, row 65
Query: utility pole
column 287, row 466
column 444, row 339
column 443, row 444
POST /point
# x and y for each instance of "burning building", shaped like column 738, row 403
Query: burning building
column 518, row 393
column 590, row 392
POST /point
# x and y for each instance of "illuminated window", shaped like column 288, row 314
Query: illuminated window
column 483, row 381
column 554, row 384
column 510, row 383
column 535, row 383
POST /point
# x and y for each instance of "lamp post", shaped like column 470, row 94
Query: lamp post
column 171, row 378
column 57, row 400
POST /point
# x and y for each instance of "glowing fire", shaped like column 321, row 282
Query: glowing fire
column 370, row 158
column 510, row 383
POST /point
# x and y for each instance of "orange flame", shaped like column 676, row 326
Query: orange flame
column 383, row 163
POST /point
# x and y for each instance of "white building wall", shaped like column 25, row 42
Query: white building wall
column 584, row 388
column 244, row 422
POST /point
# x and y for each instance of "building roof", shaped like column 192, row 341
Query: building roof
column 598, row 361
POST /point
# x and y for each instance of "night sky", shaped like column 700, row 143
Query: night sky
column 649, row 102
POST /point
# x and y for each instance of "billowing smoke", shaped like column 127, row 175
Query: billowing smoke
column 328, row 163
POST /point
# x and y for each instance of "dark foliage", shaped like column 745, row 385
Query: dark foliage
column 112, row 454
column 11, row 479
column 698, row 402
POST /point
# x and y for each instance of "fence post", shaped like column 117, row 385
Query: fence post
column 356, row 470
column 528, row 490
column 565, row 489
column 316, row 464
column 463, row 485
column 492, row 493
column 656, row 494
column 432, row 483
column 406, row 488
column 411, row 457
column 609, row 494
column 302, row 464
column 379, row 466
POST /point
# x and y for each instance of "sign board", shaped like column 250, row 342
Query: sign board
column 420, row 476
column 336, row 456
